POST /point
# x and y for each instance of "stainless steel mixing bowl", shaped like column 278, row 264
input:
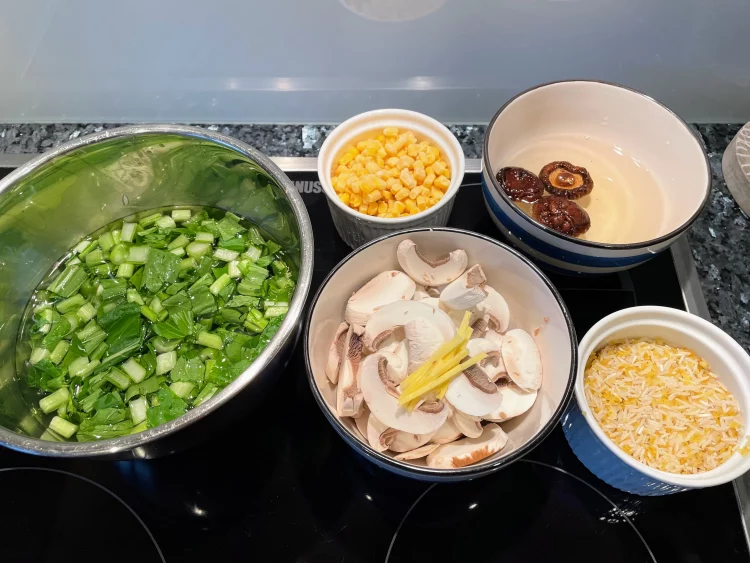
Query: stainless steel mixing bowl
column 65, row 194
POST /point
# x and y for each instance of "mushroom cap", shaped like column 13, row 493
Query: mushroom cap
column 495, row 306
column 469, row 426
column 404, row 441
column 423, row 338
column 466, row 397
column 335, row 352
column 430, row 272
column 384, row 288
column 522, row 359
column 567, row 180
column 516, row 401
column 385, row 406
column 465, row 292
column 401, row 312
column 468, row 450
column 493, row 364
column 417, row 453
column 447, row 433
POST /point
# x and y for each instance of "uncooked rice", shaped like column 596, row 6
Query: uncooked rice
column 662, row 405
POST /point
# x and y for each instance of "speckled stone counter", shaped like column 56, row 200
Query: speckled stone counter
column 719, row 239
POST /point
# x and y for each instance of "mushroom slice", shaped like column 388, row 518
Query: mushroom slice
column 516, row 401
column 473, row 393
column 384, row 288
column 496, row 309
column 495, row 337
column 448, row 432
column 361, row 422
column 430, row 272
column 420, row 293
column 397, row 314
column 417, row 453
column 493, row 364
column 384, row 405
column 466, row 291
column 335, row 353
column 469, row 450
column 522, row 359
column 433, row 302
column 470, row 426
column 397, row 367
column 423, row 338
column 479, row 327
column 379, row 435
column 348, row 394
column 404, row 441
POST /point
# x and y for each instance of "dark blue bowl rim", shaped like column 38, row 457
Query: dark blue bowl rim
column 427, row 473
column 487, row 166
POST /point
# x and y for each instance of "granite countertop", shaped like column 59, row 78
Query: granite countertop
column 719, row 239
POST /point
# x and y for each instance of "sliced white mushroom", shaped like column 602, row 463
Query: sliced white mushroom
column 398, row 364
column 493, row 364
column 516, row 401
column 382, row 400
column 420, row 293
column 379, row 436
column 496, row 309
column 465, row 292
column 522, row 359
column 348, row 394
column 469, row 450
column 392, row 341
column 470, row 426
column 384, row 288
column 361, row 422
column 423, row 338
column 389, row 317
column 479, row 326
column 417, row 453
column 495, row 337
column 335, row 352
column 473, row 393
column 433, row 302
column 405, row 441
column 430, row 272
column 447, row 433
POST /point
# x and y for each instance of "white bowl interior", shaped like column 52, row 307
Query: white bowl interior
column 365, row 126
column 727, row 359
column 650, row 173
column 532, row 305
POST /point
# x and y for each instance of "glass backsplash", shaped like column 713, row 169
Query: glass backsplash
column 324, row 60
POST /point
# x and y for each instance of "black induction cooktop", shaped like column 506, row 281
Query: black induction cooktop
column 289, row 489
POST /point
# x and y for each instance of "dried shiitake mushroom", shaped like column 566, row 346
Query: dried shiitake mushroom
column 562, row 215
column 565, row 179
column 520, row 184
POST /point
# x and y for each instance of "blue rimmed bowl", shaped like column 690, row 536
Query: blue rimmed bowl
column 637, row 131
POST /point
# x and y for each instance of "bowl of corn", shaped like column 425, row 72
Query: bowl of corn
column 387, row 170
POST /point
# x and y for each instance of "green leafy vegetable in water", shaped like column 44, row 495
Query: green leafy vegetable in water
column 150, row 317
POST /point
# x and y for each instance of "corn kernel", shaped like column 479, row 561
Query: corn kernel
column 381, row 153
column 431, row 201
column 372, row 167
column 341, row 169
column 401, row 153
column 422, row 203
column 412, row 150
column 436, row 194
column 390, row 148
column 355, row 200
column 387, row 195
column 356, row 187
column 403, row 193
column 344, row 198
column 427, row 158
column 399, row 207
column 346, row 159
column 362, row 145
column 372, row 208
column 442, row 182
column 393, row 161
column 429, row 180
column 381, row 139
column 380, row 162
column 389, row 215
column 406, row 162
column 411, row 206
column 415, row 192
column 407, row 179
column 447, row 173
column 419, row 174
column 424, row 191
column 363, row 208
column 382, row 207
column 438, row 167
column 390, row 131
column 382, row 215
column 374, row 195
column 382, row 174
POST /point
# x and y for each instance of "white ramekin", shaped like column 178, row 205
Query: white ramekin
column 728, row 360
column 356, row 228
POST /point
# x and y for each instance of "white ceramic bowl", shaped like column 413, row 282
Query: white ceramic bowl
column 356, row 228
column 531, row 298
column 728, row 360
column 576, row 121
